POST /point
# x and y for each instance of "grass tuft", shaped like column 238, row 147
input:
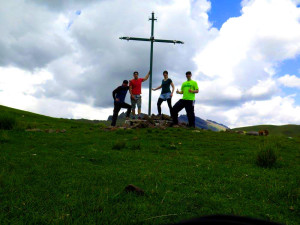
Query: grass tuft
column 266, row 156
column 119, row 145
column 4, row 137
column 7, row 121
column 136, row 146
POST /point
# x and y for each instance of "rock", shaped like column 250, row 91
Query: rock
column 135, row 189
column 34, row 130
column 240, row 132
column 49, row 131
column 253, row 133
column 263, row 133
column 165, row 117
column 196, row 131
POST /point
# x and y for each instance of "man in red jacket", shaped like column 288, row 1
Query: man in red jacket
column 135, row 89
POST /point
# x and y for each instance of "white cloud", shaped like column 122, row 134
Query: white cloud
column 276, row 111
column 290, row 81
column 72, row 72
column 237, row 67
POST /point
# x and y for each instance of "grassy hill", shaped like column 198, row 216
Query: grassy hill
column 284, row 130
column 79, row 176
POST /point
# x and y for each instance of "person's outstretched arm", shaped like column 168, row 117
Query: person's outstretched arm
column 146, row 77
column 154, row 89
column 179, row 92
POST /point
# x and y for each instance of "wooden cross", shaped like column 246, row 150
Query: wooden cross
column 152, row 40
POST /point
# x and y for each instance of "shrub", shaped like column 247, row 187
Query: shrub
column 266, row 156
column 119, row 145
column 7, row 121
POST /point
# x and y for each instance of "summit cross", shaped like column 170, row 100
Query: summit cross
column 152, row 40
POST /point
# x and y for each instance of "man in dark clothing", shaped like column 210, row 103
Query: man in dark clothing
column 119, row 95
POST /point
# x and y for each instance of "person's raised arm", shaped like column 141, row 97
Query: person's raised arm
column 146, row 77
column 154, row 89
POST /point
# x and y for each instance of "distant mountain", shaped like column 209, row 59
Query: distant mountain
column 219, row 125
column 204, row 124
column 200, row 123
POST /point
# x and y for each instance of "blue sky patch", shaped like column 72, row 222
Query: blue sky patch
column 290, row 66
column 222, row 10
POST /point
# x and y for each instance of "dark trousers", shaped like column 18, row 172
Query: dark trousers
column 160, row 100
column 189, row 108
column 117, row 108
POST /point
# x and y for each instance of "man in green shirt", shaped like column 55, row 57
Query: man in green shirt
column 188, row 89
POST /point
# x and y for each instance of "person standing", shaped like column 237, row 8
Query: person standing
column 135, row 89
column 189, row 88
column 119, row 95
column 166, row 94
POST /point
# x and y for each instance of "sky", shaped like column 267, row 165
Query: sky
column 64, row 58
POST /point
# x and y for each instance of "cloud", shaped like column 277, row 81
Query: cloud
column 290, row 81
column 279, row 111
column 30, row 40
column 236, row 66
column 100, row 61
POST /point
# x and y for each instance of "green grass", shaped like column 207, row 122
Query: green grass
column 289, row 130
column 7, row 121
column 77, row 177
column 267, row 154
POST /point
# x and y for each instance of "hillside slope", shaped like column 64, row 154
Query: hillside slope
column 79, row 176
column 289, row 130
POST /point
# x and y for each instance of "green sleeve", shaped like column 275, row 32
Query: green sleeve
column 182, row 87
column 196, row 86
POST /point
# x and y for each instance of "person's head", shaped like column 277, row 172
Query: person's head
column 188, row 75
column 125, row 83
column 136, row 74
column 165, row 73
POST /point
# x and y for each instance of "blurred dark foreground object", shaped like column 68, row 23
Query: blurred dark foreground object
column 226, row 220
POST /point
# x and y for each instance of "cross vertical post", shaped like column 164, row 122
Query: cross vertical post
column 152, row 40
column 151, row 62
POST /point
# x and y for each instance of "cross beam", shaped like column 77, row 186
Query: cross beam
column 149, row 39
column 152, row 40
